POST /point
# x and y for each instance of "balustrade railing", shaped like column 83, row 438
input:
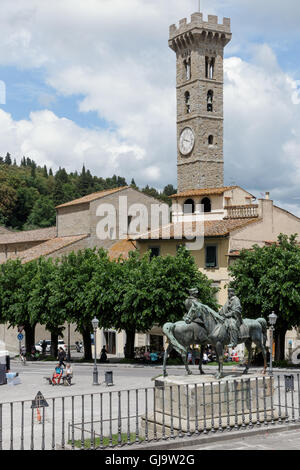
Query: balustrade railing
column 242, row 212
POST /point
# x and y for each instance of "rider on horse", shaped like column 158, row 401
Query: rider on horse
column 231, row 311
column 229, row 315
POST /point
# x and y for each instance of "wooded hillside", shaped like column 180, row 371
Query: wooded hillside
column 29, row 193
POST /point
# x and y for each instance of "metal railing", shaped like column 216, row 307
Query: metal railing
column 138, row 416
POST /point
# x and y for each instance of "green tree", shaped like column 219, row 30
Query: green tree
column 16, row 285
column 8, row 197
column 133, row 185
column 169, row 190
column 43, row 214
column 25, row 199
column 268, row 279
column 144, row 292
column 70, row 291
column 8, row 159
column 40, row 301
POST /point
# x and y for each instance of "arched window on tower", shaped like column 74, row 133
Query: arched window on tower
column 209, row 68
column 206, row 67
column 206, row 204
column 187, row 102
column 187, row 66
column 210, row 97
column 189, row 207
column 212, row 68
column 210, row 140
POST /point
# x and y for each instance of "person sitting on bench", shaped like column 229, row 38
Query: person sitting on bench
column 57, row 375
column 69, row 373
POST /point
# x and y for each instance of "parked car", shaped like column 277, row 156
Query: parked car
column 61, row 344
column 38, row 347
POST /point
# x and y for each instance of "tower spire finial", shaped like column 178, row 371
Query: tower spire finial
column 199, row 5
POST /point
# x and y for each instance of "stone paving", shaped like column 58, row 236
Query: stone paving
column 125, row 377
column 285, row 440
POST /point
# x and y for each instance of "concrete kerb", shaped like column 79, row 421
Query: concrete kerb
column 185, row 442
column 159, row 366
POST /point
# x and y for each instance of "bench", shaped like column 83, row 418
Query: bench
column 63, row 381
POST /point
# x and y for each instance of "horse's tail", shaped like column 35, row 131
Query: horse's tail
column 168, row 330
column 264, row 327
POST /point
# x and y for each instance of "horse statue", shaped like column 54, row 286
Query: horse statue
column 203, row 326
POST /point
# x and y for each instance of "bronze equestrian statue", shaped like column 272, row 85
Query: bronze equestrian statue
column 202, row 325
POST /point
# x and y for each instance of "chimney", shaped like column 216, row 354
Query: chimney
column 267, row 195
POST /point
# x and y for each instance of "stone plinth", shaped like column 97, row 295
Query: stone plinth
column 203, row 403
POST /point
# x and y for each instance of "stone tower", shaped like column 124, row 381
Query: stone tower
column 199, row 47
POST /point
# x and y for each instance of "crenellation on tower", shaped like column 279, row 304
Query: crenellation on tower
column 199, row 47
column 200, row 26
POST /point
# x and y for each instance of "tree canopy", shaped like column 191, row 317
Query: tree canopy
column 131, row 294
column 268, row 279
column 29, row 192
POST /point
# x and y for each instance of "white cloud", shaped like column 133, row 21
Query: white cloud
column 262, row 125
column 114, row 55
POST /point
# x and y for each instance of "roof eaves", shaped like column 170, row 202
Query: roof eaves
column 88, row 198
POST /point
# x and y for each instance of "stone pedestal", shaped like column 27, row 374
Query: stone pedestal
column 188, row 404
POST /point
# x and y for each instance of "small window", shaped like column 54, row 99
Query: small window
column 211, row 256
column 189, row 207
column 187, row 102
column 187, row 66
column 212, row 69
column 210, row 96
column 206, row 67
column 210, row 140
column 154, row 251
column 206, row 204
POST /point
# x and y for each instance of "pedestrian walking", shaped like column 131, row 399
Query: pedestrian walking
column 61, row 357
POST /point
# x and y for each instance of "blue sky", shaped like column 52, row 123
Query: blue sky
column 93, row 81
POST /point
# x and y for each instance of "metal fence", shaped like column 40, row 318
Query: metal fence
column 121, row 418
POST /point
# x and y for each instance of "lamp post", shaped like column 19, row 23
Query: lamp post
column 272, row 321
column 95, row 323
column 69, row 346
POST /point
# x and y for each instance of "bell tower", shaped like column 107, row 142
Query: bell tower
column 199, row 47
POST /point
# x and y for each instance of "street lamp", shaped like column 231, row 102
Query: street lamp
column 69, row 347
column 272, row 321
column 95, row 323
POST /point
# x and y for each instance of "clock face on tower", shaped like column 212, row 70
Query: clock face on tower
column 186, row 141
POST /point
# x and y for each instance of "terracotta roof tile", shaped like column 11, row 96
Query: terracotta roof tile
column 41, row 234
column 48, row 247
column 92, row 197
column 206, row 192
column 122, row 248
column 212, row 228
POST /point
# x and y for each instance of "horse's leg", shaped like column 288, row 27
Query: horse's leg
column 220, row 354
column 262, row 347
column 248, row 344
column 185, row 362
column 166, row 355
column 201, row 361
